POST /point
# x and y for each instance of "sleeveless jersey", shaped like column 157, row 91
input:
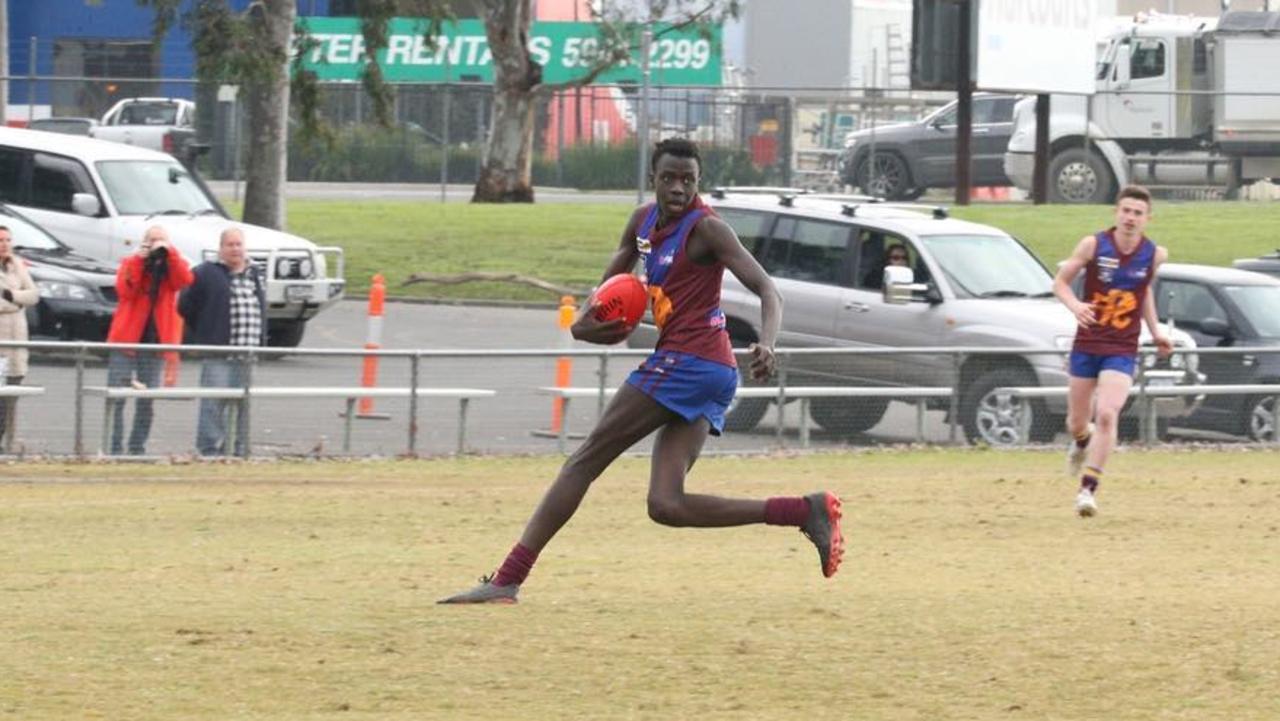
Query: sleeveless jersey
column 1115, row 285
column 684, row 296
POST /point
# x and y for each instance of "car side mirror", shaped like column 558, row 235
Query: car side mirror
column 86, row 204
column 1215, row 327
column 900, row 286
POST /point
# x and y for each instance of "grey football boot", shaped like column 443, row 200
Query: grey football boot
column 486, row 592
column 823, row 529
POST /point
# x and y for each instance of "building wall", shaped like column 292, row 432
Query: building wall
column 98, row 38
column 798, row 44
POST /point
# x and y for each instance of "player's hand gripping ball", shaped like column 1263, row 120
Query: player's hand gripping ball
column 623, row 297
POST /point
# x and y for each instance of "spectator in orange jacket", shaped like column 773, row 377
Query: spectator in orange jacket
column 147, row 284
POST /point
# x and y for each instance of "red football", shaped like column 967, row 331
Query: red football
column 622, row 296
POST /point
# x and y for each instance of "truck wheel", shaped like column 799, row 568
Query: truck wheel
column 846, row 416
column 744, row 414
column 891, row 179
column 285, row 333
column 1258, row 419
column 1002, row 420
column 1076, row 176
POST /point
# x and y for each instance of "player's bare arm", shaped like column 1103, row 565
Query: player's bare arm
column 586, row 327
column 1067, row 273
column 713, row 239
column 1164, row 346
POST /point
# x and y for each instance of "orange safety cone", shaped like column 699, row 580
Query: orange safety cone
column 564, row 374
column 564, row 364
column 373, row 341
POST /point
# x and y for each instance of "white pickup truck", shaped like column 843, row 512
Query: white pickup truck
column 163, row 124
column 99, row 197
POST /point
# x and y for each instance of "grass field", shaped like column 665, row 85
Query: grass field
column 306, row 591
column 569, row 244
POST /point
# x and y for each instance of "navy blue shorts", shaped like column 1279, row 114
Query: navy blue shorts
column 1089, row 365
column 690, row 386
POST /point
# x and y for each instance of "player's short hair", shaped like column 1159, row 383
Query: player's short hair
column 1137, row 192
column 679, row 147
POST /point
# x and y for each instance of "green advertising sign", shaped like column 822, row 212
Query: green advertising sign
column 677, row 57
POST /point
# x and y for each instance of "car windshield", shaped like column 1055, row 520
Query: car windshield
column 1258, row 303
column 27, row 235
column 151, row 187
column 989, row 266
column 149, row 114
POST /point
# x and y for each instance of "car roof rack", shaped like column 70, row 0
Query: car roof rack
column 938, row 212
column 720, row 192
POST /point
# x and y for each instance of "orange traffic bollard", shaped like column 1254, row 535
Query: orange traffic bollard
column 373, row 341
column 564, row 364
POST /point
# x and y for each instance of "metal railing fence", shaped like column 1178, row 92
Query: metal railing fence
column 307, row 402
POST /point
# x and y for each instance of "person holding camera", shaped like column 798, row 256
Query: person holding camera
column 147, row 284
column 17, row 293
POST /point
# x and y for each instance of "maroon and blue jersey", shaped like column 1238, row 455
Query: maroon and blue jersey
column 684, row 296
column 1115, row 284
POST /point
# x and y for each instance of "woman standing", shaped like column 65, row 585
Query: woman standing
column 17, row 292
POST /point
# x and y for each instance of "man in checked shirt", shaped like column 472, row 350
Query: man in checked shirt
column 226, row 305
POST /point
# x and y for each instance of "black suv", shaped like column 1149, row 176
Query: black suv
column 77, row 293
column 910, row 158
column 1226, row 308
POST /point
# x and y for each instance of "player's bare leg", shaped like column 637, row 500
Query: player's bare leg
column 1079, row 427
column 1109, row 399
column 674, row 452
column 629, row 417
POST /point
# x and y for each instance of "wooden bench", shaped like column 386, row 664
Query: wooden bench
column 350, row 394
column 804, row 394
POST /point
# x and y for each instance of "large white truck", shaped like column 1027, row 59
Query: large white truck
column 1181, row 101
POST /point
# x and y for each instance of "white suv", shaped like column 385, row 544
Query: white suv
column 98, row 197
column 966, row 285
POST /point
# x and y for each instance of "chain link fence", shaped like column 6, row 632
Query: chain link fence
column 85, row 400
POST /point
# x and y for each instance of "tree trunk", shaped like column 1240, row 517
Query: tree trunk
column 267, row 107
column 507, row 174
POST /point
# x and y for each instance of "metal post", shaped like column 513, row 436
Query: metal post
column 642, row 124
column 31, row 81
column 871, row 151
column 964, row 107
column 1040, row 176
column 79, row 443
column 346, row 425
column 243, row 426
column 1275, row 420
column 462, row 425
column 444, row 160
column 603, row 377
column 953, row 412
column 413, row 405
column 560, row 139
column 782, row 404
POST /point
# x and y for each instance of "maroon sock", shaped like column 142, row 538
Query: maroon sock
column 517, row 566
column 1090, row 479
column 791, row 511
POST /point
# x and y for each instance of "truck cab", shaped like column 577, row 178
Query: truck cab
column 1180, row 101
column 99, row 198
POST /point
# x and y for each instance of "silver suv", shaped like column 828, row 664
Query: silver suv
column 963, row 285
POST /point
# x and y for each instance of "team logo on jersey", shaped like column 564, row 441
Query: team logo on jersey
column 643, row 245
column 1107, row 267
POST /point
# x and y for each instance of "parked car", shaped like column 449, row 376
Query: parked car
column 77, row 293
column 64, row 125
column 99, row 197
column 1226, row 308
column 1269, row 264
column 163, row 124
column 910, row 158
column 967, row 285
